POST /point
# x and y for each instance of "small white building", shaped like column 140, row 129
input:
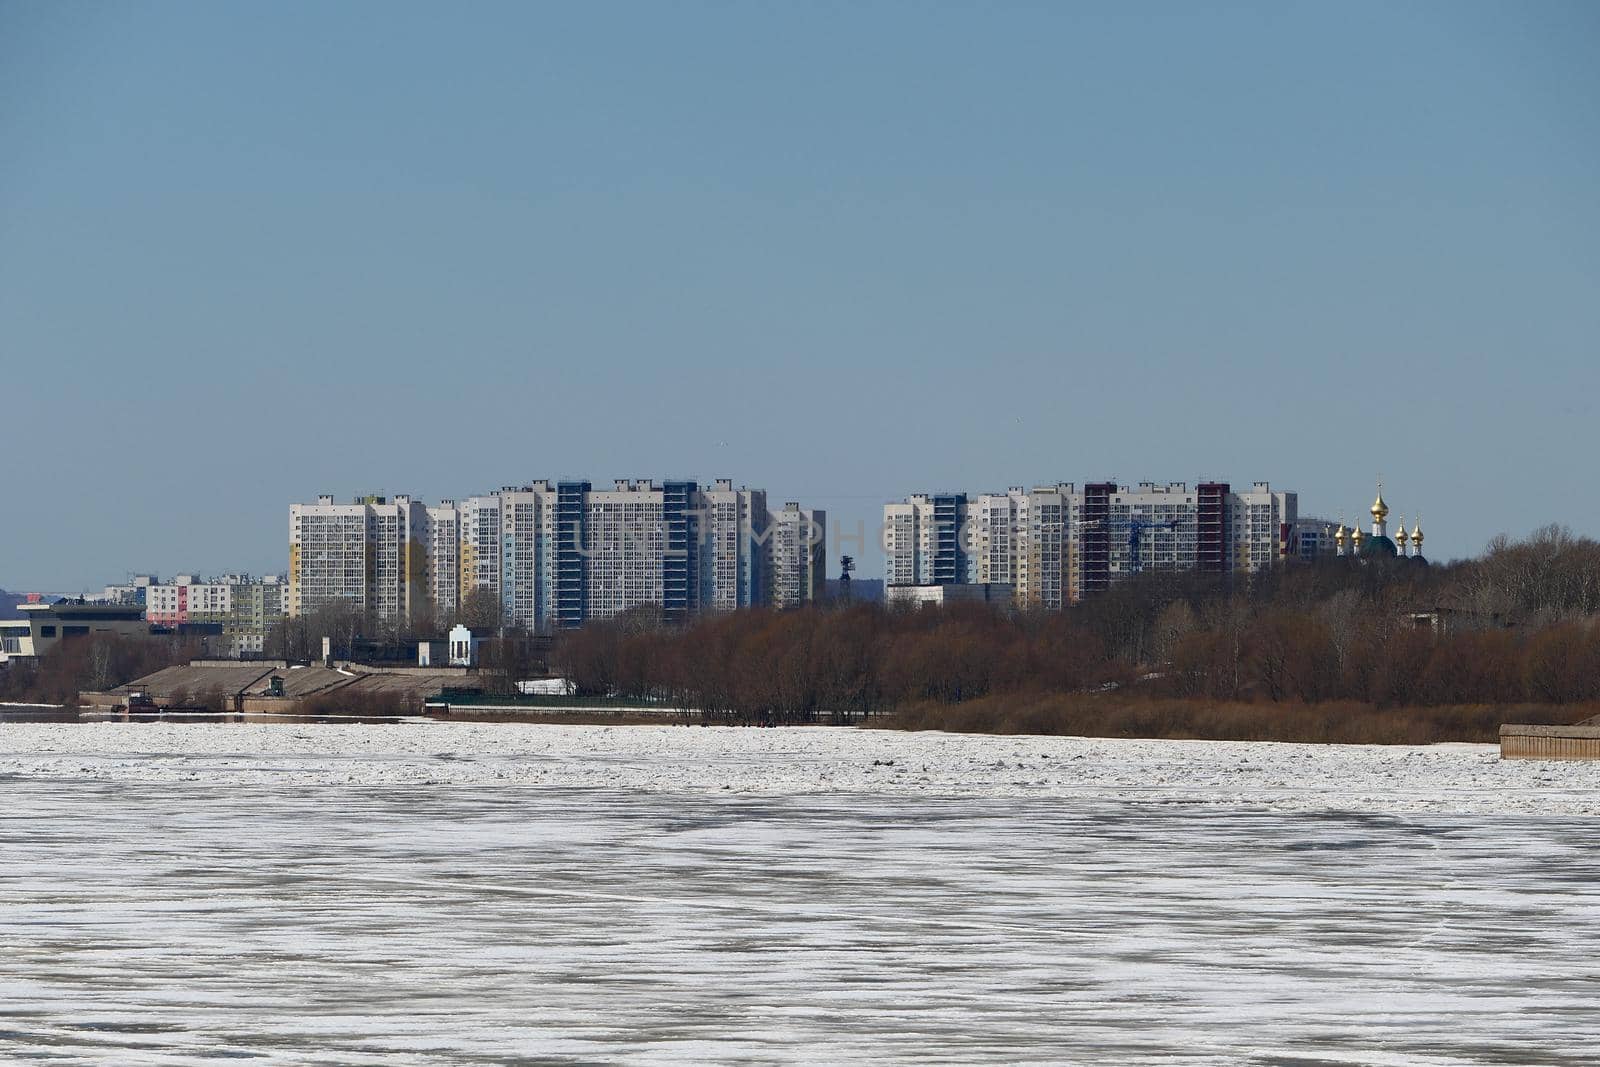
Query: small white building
column 463, row 647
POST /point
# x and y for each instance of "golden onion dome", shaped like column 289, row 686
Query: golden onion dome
column 1416, row 534
column 1355, row 537
column 1380, row 510
column 1400, row 533
column 1339, row 534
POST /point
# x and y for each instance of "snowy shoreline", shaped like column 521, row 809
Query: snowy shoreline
column 1456, row 778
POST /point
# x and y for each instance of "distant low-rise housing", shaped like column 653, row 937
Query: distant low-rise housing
column 242, row 607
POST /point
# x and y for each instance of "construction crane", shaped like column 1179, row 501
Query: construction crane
column 1136, row 529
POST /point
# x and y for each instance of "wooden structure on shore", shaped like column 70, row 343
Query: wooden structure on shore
column 1551, row 742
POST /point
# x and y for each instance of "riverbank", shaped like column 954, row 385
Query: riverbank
column 1338, row 722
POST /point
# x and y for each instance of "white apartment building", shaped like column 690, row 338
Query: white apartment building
column 924, row 540
column 1055, row 544
column 625, row 548
column 570, row 553
column 327, row 554
column 732, row 524
column 398, row 536
column 903, row 540
column 371, row 552
column 479, row 545
column 553, row 554
column 1153, row 527
column 444, row 556
column 526, row 582
column 797, row 544
column 1262, row 521
column 1019, row 539
column 1120, row 530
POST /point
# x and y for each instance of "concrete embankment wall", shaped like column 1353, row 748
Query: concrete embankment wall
column 247, row 686
column 467, row 711
column 1549, row 742
column 268, row 705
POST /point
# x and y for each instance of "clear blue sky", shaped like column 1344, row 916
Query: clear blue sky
column 249, row 253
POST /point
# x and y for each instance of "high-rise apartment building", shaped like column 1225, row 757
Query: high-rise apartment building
column 571, row 553
column 444, row 557
column 478, row 559
column 327, row 554
column 797, row 543
column 924, row 542
column 626, row 557
column 1152, row 527
column 733, row 525
column 556, row 555
column 526, row 554
column 1019, row 539
column 1054, row 544
column 1263, row 519
column 372, row 553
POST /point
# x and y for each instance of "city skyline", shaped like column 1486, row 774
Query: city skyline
column 872, row 541
column 462, row 536
column 555, row 554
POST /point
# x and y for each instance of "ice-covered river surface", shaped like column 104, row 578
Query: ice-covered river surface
column 456, row 894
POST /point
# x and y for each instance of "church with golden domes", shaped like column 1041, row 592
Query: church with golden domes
column 1379, row 545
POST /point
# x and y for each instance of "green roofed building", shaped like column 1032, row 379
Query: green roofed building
column 1378, row 544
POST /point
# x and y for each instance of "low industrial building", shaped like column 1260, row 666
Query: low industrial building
column 43, row 625
column 955, row 593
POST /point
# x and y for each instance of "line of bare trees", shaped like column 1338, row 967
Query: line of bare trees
column 1516, row 625
column 346, row 624
column 92, row 663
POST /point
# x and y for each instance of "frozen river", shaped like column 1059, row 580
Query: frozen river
column 493, row 895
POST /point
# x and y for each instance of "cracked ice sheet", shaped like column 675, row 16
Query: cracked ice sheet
column 171, row 905
column 1464, row 779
